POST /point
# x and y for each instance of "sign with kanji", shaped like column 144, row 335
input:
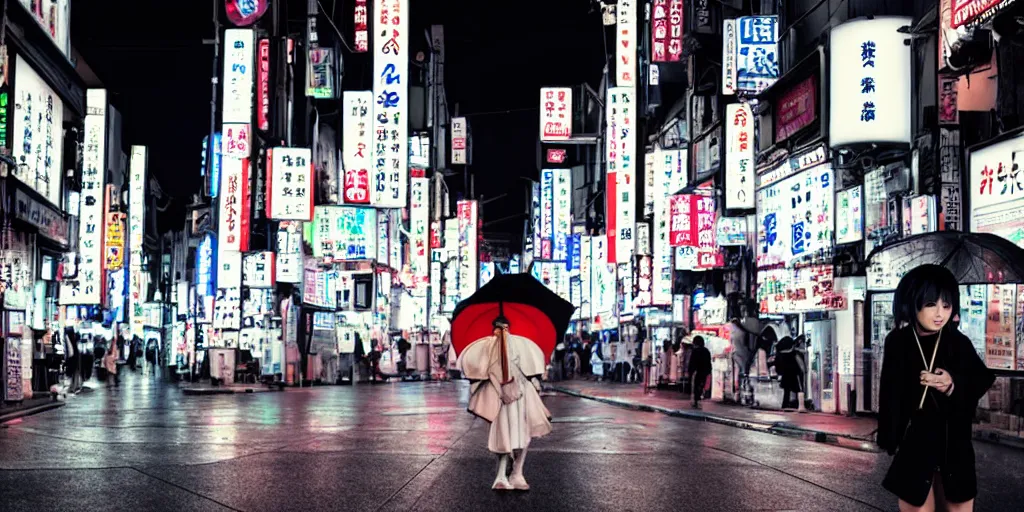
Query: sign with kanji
column 290, row 184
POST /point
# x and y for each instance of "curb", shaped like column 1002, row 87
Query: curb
column 30, row 411
column 226, row 391
column 842, row 441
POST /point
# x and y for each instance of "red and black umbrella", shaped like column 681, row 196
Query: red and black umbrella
column 532, row 310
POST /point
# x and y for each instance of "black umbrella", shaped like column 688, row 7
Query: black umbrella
column 533, row 312
column 974, row 258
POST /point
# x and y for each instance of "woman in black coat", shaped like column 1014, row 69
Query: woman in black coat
column 927, row 358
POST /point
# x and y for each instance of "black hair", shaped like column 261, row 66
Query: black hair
column 698, row 341
column 922, row 285
column 501, row 321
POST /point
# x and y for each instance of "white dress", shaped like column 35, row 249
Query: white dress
column 521, row 420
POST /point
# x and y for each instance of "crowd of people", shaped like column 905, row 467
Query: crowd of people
column 104, row 358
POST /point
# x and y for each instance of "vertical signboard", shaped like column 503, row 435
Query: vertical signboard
column 419, row 220
column 536, row 214
column 468, row 247
column 547, row 213
column 360, row 20
column 562, row 214
column 739, row 157
column 233, row 214
column 667, row 31
column 263, row 86
column 757, row 53
column 88, row 287
column 357, row 145
column 289, row 184
column 621, row 163
column 729, row 57
column 996, row 191
column 625, row 44
column 459, row 156
column 136, row 236
column 238, row 75
column 390, row 88
column 555, row 113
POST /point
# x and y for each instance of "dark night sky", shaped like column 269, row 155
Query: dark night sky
column 158, row 73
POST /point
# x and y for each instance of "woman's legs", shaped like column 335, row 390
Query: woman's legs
column 501, row 479
column 517, row 479
column 929, row 504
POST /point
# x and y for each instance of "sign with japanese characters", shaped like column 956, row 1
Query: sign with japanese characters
column 547, row 213
column 625, row 43
column 37, row 139
column 238, row 75
column 357, row 145
column 419, row 224
column 136, row 236
column 850, row 215
column 757, row 53
column 289, row 252
column 263, row 86
column 536, row 215
column 227, row 308
column 870, row 71
column 667, row 31
column 562, row 214
column 996, row 185
column 233, row 216
column 459, row 140
column 289, row 184
column 360, row 21
column 468, row 265
column 729, row 57
column 344, row 233
column 258, row 269
column 739, row 156
column 235, row 140
column 555, row 113
column 390, row 90
column 87, row 288
column 796, row 218
column 621, row 149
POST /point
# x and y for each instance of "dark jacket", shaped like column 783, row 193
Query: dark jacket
column 940, row 434
column 700, row 361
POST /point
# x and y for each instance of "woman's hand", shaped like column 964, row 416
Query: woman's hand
column 940, row 380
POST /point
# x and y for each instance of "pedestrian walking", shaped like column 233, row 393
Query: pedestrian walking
column 931, row 381
column 133, row 358
column 110, row 364
column 73, row 367
column 699, row 369
column 506, row 392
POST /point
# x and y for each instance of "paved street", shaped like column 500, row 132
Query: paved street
column 147, row 446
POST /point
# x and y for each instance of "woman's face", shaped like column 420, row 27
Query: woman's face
column 934, row 315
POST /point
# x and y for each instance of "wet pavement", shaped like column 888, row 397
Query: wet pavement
column 412, row 446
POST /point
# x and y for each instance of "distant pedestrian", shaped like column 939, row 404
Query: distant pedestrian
column 931, row 381
column 110, row 364
column 699, row 369
column 133, row 359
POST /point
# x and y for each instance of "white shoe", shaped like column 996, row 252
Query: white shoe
column 502, row 484
column 518, row 482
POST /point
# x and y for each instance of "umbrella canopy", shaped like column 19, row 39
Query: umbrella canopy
column 974, row 258
column 533, row 312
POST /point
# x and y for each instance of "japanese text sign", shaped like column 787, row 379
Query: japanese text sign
column 466, row 211
column 625, row 43
column 238, row 75
column 390, row 88
column 263, row 86
column 621, row 149
column 235, row 140
column 555, row 113
column 343, row 233
column 667, row 30
column 258, row 270
column 419, row 224
column 357, row 145
column 233, row 216
column 360, row 20
column 459, row 146
column 796, row 219
column 739, row 158
column 871, row 73
column 996, row 185
column 290, row 184
column 757, row 53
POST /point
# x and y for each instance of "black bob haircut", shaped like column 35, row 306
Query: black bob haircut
column 924, row 284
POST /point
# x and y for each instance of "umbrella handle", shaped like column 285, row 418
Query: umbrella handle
column 504, row 357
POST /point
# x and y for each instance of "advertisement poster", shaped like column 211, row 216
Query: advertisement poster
column 227, row 309
column 796, row 218
column 667, row 30
column 1000, row 328
column 789, row 291
column 875, row 83
column 739, row 157
column 258, row 270
column 38, row 135
column 344, row 233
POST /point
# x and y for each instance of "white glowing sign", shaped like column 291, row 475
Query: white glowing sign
column 136, row 236
column 625, row 44
column 390, row 90
column 239, row 54
column 357, row 146
column 419, row 234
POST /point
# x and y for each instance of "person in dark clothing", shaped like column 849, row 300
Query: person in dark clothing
column 931, row 381
column 699, row 369
column 133, row 357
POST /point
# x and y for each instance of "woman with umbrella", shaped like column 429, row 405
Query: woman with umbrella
column 507, row 371
column 932, row 379
column 506, row 368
